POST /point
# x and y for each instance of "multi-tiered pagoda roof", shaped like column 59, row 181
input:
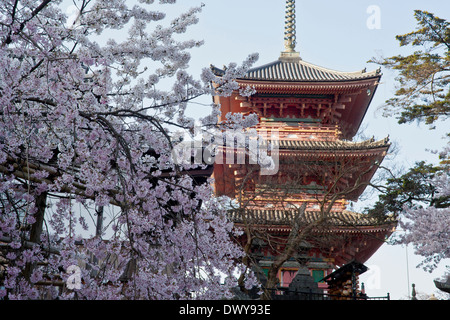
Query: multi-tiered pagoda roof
column 297, row 70
column 316, row 112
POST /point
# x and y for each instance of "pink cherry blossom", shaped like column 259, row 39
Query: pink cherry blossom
column 84, row 136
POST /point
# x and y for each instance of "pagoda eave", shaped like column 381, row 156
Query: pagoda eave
column 355, row 237
column 285, row 229
column 317, row 87
column 347, row 100
column 333, row 148
column 343, row 221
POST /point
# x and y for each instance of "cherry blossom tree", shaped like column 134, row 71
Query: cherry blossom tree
column 420, row 198
column 427, row 223
column 87, row 176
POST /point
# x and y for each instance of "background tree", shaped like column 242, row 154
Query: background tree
column 421, row 195
column 87, row 176
column 423, row 92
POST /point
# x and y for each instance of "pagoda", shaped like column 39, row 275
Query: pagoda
column 316, row 112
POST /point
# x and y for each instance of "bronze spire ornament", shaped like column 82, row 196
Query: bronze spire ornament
column 289, row 32
column 289, row 28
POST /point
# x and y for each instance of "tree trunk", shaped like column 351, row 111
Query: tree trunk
column 36, row 229
column 246, row 261
column 99, row 226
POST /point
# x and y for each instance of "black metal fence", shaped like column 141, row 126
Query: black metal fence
column 286, row 294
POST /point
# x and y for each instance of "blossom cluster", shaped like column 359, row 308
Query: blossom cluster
column 87, row 176
column 427, row 225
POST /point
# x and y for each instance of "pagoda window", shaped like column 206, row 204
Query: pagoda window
column 250, row 185
column 310, row 179
column 310, row 111
column 291, row 112
column 286, row 276
column 318, row 275
column 272, row 112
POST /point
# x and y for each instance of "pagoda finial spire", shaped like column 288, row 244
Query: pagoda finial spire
column 289, row 27
column 289, row 32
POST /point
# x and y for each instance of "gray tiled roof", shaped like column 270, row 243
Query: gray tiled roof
column 299, row 70
column 285, row 217
column 331, row 145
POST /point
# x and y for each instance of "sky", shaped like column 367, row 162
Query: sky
column 339, row 35
column 335, row 35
